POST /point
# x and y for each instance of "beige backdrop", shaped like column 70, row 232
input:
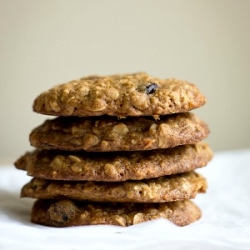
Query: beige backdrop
column 43, row 43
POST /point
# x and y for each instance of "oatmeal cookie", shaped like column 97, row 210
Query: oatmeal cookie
column 163, row 189
column 136, row 94
column 114, row 166
column 111, row 134
column 65, row 213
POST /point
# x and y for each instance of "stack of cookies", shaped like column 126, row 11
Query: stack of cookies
column 122, row 150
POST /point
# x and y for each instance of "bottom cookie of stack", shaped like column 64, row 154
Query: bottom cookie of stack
column 65, row 213
column 72, row 203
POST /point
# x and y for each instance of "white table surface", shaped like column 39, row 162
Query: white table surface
column 225, row 223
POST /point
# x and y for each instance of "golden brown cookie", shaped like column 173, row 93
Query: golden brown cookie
column 110, row 134
column 119, row 95
column 163, row 189
column 114, row 166
column 65, row 213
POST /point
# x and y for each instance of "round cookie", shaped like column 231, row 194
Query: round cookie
column 65, row 213
column 111, row 134
column 163, row 189
column 114, row 166
column 136, row 94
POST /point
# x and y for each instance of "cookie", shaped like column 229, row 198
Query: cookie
column 114, row 166
column 119, row 95
column 162, row 189
column 65, row 213
column 111, row 134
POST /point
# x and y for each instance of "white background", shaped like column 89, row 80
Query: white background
column 225, row 224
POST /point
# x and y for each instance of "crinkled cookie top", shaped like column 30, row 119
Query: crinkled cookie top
column 119, row 95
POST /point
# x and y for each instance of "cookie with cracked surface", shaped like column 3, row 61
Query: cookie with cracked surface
column 114, row 166
column 66, row 213
column 111, row 134
column 136, row 94
column 163, row 189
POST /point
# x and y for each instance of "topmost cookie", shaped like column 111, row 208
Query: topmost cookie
column 119, row 95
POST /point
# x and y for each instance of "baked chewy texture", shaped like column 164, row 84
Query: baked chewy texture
column 119, row 95
column 121, row 151
column 65, row 213
column 162, row 189
column 114, row 166
column 110, row 134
